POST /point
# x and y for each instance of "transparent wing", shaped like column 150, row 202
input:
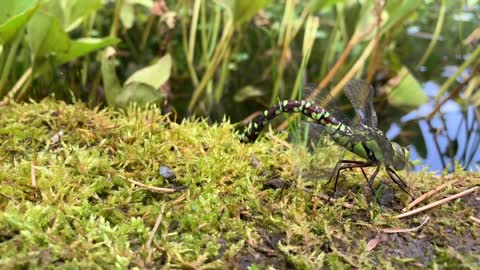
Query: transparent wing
column 360, row 95
column 326, row 101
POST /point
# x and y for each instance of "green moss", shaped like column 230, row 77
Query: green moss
column 84, row 213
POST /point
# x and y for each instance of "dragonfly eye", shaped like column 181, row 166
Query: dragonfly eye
column 400, row 156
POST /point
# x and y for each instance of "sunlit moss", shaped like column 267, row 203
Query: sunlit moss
column 84, row 212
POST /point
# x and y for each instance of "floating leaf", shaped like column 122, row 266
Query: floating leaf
column 154, row 75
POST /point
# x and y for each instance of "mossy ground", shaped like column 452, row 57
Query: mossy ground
column 82, row 212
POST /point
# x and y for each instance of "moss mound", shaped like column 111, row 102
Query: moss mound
column 68, row 199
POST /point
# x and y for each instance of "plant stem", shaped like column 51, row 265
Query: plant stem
column 12, row 53
column 457, row 73
column 116, row 18
column 436, row 33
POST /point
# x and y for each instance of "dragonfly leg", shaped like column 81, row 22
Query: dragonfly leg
column 395, row 178
column 372, row 178
column 341, row 163
column 346, row 164
column 370, row 184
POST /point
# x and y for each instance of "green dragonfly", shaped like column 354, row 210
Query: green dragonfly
column 363, row 139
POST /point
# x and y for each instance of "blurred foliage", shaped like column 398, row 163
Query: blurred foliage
column 231, row 56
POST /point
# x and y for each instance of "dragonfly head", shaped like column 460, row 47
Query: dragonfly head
column 401, row 156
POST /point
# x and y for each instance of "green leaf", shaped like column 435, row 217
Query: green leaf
column 399, row 10
column 242, row 10
column 407, row 91
column 111, row 84
column 318, row 5
column 71, row 12
column 245, row 10
column 139, row 93
column 84, row 46
column 46, row 36
column 246, row 93
column 13, row 17
column 154, row 75
column 12, row 8
column 127, row 14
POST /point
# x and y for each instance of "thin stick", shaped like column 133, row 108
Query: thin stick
column 9, row 197
column 475, row 219
column 33, row 174
column 152, row 188
column 437, row 203
column 428, row 194
column 153, row 232
column 407, row 230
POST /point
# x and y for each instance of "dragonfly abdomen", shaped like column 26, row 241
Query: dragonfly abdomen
column 334, row 127
column 338, row 131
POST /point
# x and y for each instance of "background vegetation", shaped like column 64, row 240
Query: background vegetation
column 225, row 57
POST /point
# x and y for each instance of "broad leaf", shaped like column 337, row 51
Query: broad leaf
column 154, row 75
column 245, row 10
column 127, row 14
column 84, row 46
column 12, row 8
column 46, row 36
column 242, row 10
column 71, row 12
column 139, row 93
column 405, row 91
column 13, row 17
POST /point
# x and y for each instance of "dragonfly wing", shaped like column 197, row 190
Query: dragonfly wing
column 360, row 95
column 326, row 101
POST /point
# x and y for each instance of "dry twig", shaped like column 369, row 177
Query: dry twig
column 152, row 188
column 474, row 219
column 153, row 232
column 437, row 203
column 407, row 230
column 33, row 174
column 428, row 195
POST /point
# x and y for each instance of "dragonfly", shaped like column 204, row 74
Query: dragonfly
column 363, row 139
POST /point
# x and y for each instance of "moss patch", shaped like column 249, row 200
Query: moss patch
column 66, row 199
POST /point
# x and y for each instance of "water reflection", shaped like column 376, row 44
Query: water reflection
column 452, row 135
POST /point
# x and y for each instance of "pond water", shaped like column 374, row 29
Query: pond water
column 452, row 136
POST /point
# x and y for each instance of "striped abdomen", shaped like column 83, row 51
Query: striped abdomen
column 318, row 114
